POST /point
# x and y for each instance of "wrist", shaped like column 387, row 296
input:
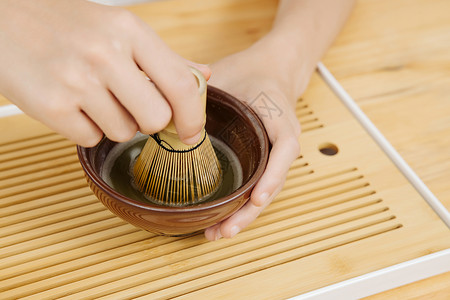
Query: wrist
column 288, row 62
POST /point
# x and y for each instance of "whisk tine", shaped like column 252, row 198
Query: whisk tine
column 173, row 173
column 177, row 178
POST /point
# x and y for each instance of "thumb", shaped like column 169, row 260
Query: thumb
column 204, row 69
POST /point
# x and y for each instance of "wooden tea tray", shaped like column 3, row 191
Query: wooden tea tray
column 338, row 216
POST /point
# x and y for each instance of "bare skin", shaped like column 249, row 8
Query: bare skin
column 78, row 67
column 279, row 65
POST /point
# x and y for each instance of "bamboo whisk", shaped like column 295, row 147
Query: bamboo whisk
column 173, row 173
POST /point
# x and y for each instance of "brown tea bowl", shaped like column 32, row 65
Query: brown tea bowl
column 229, row 120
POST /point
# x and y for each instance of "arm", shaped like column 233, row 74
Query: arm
column 279, row 65
column 302, row 32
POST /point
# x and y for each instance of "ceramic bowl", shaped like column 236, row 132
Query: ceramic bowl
column 228, row 120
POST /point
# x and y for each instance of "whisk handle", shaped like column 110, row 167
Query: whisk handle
column 201, row 81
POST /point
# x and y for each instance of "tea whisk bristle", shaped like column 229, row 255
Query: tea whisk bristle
column 175, row 176
column 173, row 173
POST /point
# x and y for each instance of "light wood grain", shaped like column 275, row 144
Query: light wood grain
column 336, row 218
column 393, row 57
column 436, row 288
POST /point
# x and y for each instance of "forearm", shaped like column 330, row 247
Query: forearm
column 277, row 68
column 302, row 32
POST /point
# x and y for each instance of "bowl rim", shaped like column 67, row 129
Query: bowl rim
column 254, row 178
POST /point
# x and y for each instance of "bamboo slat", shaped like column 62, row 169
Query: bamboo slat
column 337, row 217
column 58, row 241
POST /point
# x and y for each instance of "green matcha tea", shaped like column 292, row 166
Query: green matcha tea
column 117, row 170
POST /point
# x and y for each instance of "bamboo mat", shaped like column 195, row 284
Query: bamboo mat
column 338, row 216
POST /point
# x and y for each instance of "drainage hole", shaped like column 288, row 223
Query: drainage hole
column 328, row 149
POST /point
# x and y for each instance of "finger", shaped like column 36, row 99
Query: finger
column 284, row 151
column 109, row 115
column 234, row 224
column 204, row 69
column 140, row 97
column 175, row 80
column 77, row 127
column 213, row 233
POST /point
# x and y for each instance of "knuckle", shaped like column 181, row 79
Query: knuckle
column 158, row 123
column 78, row 82
column 189, row 130
column 56, row 108
column 125, row 19
column 187, row 86
column 98, row 54
column 76, row 78
column 194, row 125
column 123, row 134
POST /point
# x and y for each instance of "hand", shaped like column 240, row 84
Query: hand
column 280, row 66
column 76, row 67
column 246, row 75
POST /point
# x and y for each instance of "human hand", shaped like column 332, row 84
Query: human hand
column 250, row 77
column 277, row 69
column 76, row 67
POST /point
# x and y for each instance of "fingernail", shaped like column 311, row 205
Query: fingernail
column 234, row 230
column 194, row 139
column 218, row 235
column 264, row 198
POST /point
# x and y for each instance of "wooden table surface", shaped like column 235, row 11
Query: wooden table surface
column 393, row 57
